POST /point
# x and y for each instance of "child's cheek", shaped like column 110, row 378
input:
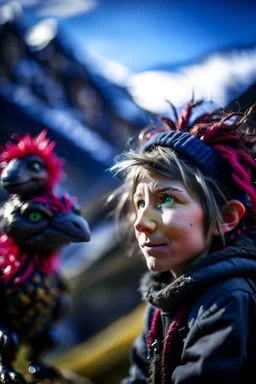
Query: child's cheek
column 137, row 234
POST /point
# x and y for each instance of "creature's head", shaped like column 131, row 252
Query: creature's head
column 43, row 224
column 29, row 165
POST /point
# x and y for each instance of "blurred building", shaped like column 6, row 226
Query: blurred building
column 46, row 83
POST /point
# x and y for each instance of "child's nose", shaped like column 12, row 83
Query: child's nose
column 145, row 223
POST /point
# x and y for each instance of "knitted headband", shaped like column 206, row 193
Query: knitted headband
column 197, row 153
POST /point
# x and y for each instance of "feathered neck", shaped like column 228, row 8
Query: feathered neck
column 17, row 265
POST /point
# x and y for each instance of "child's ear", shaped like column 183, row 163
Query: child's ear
column 232, row 212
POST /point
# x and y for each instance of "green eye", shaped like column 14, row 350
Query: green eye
column 34, row 216
column 141, row 204
column 77, row 210
column 166, row 200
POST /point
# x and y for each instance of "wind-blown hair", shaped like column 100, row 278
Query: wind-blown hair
column 226, row 134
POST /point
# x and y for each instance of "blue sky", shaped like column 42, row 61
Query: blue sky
column 145, row 34
column 142, row 34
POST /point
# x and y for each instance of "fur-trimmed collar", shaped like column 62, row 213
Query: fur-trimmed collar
column 165, row 292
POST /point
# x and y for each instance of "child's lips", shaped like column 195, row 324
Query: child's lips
column 153, row 245
column 156, row 248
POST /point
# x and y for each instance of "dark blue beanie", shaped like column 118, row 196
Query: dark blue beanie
column 199, row 154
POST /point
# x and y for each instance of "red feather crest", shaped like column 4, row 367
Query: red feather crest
column 39, row 146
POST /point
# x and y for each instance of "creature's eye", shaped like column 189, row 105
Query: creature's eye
column 77, row 210
column 34, row 216
column 35, row 166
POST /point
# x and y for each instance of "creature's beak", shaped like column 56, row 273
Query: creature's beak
column 16, row 178
column 14, row 174
column 71, row 227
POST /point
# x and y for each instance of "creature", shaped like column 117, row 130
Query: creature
column 29, row 166
column 33, row 294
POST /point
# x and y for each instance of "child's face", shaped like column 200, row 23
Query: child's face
column 169, row 225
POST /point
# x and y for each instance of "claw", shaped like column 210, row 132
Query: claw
column 9, row 376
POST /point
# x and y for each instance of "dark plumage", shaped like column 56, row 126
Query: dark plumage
column 29, row 166
column 33, row 294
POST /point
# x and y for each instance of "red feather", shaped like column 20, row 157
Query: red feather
column 39, row 146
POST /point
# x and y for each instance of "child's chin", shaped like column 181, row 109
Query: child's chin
column 154, row 266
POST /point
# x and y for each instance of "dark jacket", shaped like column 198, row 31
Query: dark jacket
column 215, row 340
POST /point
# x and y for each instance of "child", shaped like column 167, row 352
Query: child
column 191, row 200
